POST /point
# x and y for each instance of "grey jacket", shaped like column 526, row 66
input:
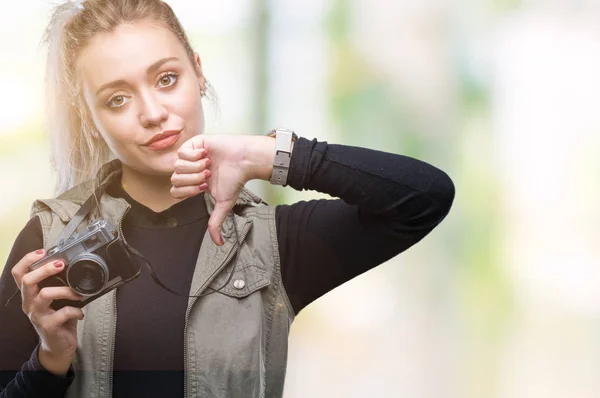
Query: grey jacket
column 235, row 342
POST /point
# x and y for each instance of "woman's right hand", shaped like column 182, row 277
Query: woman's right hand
column 57, row 329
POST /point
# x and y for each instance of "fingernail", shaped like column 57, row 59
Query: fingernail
column 203, row 187
column 221, row 242
column 207, row 162
column 40, row 251
column 207, row 173
column 58, row 263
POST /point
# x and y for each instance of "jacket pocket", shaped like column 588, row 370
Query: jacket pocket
column 246, row 279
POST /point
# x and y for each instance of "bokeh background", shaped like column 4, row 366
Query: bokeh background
column 502, row 299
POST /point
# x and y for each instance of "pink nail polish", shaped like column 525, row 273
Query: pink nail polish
column 58, row 263
column 40, row 251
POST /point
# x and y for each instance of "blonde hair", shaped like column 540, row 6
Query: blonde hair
column 76, row 154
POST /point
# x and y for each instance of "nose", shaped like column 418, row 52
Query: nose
column 152, row 112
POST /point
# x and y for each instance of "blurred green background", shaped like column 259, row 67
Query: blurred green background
column 502, row 299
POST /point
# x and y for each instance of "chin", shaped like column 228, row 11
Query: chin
column 165, row 164
column 162, row 165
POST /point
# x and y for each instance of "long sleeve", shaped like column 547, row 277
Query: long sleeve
column 387, row 203
column 21, row 374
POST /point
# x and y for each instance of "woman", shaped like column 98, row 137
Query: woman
column 124, row 83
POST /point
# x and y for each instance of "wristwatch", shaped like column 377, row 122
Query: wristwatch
column 283, row 154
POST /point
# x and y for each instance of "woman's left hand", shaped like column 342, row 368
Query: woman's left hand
column 220, row 165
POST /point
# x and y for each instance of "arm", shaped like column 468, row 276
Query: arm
column 21, row 373
column 387, row 204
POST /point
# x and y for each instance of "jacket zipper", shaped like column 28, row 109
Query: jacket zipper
column 231, row 253
column 114, row 325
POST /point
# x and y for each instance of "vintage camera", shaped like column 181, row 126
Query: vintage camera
column 96, row 260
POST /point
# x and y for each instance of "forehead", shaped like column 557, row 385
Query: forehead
column 126, row 52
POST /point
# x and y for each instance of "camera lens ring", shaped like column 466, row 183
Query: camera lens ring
column 87, row 274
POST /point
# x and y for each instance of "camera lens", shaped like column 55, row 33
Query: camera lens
column 87, row 274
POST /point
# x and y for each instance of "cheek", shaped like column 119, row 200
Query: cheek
column 188, row 106
column 116, row 129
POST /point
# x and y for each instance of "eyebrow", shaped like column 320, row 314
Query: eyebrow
column 152, row 68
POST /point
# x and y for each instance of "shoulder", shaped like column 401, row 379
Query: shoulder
column 67, row 203
column 262, row 216
column 252, row 206
column 64, row 204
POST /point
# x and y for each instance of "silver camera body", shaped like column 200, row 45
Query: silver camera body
column 96, row 261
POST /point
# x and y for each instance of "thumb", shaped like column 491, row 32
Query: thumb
column 217, row 218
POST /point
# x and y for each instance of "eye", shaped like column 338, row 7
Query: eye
column 167, row 79
column 116, row 101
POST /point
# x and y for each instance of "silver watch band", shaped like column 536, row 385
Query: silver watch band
column 283, row 154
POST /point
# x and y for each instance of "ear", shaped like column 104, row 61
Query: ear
column 198, row 68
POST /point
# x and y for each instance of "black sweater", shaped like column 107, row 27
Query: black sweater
column 387, row 203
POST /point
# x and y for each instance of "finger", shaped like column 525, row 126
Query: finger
column 184, row 180
column 22, row 267
column 215, row 223
column 185, row 166
column 196, row 142
column 39, row 274
column 58, row 318
column 193, row 149
column 48, row 294
column 191, row 154
column 29, row 282
column 188, row 191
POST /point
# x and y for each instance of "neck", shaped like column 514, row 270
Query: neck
column 151, row 191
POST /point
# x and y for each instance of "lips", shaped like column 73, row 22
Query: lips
column 163, row 140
